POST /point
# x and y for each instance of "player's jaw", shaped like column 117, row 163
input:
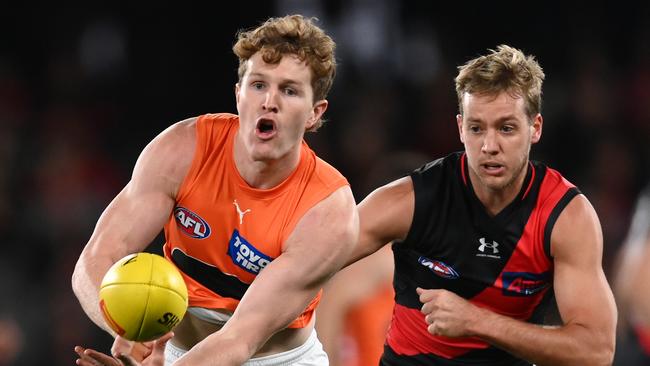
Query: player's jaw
column 500, row 174
column 272, row 139
column 491, row 175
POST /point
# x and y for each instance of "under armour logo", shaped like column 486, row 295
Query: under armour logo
column 484, row 244
column 240, row 212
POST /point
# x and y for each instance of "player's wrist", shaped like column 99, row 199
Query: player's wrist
column 203, row 353
column 481, row 322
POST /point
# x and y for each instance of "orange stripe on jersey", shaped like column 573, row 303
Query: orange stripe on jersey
column 224, row 232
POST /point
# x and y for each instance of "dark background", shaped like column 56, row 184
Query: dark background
column 84, row 87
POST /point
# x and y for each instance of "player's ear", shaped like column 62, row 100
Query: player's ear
column 317, row 112
column 237, row 93
column 459, row 122
column 536, row 127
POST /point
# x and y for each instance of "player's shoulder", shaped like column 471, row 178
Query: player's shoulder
column 446, row 163
column 395, row 194
column 551, row 176
column 438, row 175
column 173, row 147
column 217, row 119
column 577, row 228
column 177, row 135
column 327, row 174
column 186, row 129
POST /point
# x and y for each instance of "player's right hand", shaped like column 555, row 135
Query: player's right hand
column 448, row 314
column 156, row 356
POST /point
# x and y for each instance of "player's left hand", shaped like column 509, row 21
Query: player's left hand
column 91, row 357
column 447, row 313
column 138, row 350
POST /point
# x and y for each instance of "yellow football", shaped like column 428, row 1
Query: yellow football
column 142, row 297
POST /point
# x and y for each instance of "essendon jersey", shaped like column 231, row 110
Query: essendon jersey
column 501, row 263
column 223, row 232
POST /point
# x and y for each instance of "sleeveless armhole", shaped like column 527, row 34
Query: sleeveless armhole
column 552, row 218
column 330, row 180
column 329, row 175
column 200, row 131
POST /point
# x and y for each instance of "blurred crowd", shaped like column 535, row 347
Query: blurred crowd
column 83, row 88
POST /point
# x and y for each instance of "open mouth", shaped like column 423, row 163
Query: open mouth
column 492, row 167
column 265, row 128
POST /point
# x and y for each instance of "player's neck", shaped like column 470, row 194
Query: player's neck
column 265, row 174
column 496, row 199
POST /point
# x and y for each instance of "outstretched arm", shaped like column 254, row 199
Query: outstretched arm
column 136, row 215
column 315, row 250
column 583, row 296
column 384, row 215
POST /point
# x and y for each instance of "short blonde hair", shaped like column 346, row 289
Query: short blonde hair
column 504, row 69
column 292, row 34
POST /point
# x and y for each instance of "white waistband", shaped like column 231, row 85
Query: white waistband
column 219, row 317
column 287, row 358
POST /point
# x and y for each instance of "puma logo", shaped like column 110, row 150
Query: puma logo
column 240, row 212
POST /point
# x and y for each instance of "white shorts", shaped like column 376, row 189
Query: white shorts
column 309, row 353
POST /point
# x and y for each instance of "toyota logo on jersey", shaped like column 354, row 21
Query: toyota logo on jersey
column 245, row 255
column 191, row 224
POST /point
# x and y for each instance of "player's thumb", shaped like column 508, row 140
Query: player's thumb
column 160, row 343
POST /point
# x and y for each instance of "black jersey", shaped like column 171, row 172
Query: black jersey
column 501, row 263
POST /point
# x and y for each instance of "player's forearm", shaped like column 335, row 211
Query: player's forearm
column 287, row 305
column 236, row 342
column 571, row 344
column 85, row 284
column 252, row 324
column 217, row 349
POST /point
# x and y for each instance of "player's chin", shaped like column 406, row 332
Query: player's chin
column 269, row 151
column 264, row 154
column 495, row 183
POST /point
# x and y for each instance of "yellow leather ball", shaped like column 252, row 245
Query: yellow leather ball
column 142, row 297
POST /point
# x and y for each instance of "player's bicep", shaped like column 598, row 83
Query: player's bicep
column 384, row 215
column 137, row 214
column 130, row 222
column 583, row 295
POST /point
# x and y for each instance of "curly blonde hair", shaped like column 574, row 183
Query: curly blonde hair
column 504, row 69
column 292, row 34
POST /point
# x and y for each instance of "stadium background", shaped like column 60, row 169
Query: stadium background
column 85, row 85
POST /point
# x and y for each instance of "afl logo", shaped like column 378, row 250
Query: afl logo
column 191, row 224
column 439, row 268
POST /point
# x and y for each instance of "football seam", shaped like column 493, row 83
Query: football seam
column 145, row 283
